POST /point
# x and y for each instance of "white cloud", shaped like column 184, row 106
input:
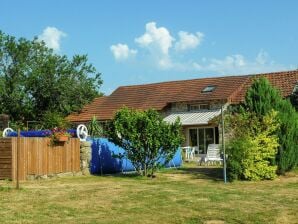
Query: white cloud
column 229, row 62
column 122, row 52
column 159, row 44
column 52, row 37
column 262, row 57
column 156, row 38
column 188, row 40
column 238, row 64
column 158, row 41
column 165, row 63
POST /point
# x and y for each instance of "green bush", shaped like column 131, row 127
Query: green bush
column 260, row 99
column 146, row 138
column 252, row 147
column 15, row 125
column 235, row 151
column 52, row 120
column 287, row 157
column 94, row 128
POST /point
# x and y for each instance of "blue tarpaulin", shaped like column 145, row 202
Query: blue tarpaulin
column 103, row 162
column 39, row 133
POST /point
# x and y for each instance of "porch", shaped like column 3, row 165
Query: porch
column 212, row 157
column 201, row 131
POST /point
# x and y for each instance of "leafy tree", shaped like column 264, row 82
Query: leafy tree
column 252, row 146
column 53, row 120
column 146, row 138
column 35, row 80
column 261, row 98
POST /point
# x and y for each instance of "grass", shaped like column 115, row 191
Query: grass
column 190, row 195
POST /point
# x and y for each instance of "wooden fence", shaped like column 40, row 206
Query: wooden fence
column 38, row 157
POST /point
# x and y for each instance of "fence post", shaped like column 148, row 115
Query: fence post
column 18, row 155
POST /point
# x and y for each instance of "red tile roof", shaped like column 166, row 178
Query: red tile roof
column 158, row 95
column 283, row 81
column 88, row 111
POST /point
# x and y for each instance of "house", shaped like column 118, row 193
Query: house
column 197, row 102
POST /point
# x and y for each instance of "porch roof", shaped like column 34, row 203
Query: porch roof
column 193, row 118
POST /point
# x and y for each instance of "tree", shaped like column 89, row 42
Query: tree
column 294, row 97
column 261, row 98
column 34, row 80
column 53, row 120
column 148, row 141
column 252, row 146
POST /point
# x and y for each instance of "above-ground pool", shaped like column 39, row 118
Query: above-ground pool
column 103, row 162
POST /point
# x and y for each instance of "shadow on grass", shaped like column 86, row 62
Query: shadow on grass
column 211, row 173
column 202, row 172
column 129, row 175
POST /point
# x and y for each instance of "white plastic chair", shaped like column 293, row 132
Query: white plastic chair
column 213, row 155
column 189, row 152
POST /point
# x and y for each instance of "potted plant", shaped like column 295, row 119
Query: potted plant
column 60, row 135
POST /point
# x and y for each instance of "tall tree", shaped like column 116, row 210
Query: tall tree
column 35, row 80
column 294, row 97
column 261, row 98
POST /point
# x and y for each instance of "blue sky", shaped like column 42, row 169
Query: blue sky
column 134, row 42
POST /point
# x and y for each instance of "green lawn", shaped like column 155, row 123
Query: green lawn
column 189, row 195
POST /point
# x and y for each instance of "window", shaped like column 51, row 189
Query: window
column 208, row 89
column 193, row 107
column 204, row 107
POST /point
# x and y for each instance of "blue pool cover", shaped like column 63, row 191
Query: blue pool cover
column 103, row 162
column 39, row 133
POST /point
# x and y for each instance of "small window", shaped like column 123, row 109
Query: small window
column 204, row 107
column 194, row 107
column 208, row 89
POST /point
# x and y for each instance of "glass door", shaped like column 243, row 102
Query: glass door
column 209, row 137
column 193, row 139
column 201, row 138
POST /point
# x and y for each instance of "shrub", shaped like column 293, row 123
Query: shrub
column 53, row 120
column 146, row 138
column 94, row 128
column 260, row 99
column 294, row 97
column 253, row 147
column 287, row 157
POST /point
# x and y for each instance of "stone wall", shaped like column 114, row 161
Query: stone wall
column 85, row 157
